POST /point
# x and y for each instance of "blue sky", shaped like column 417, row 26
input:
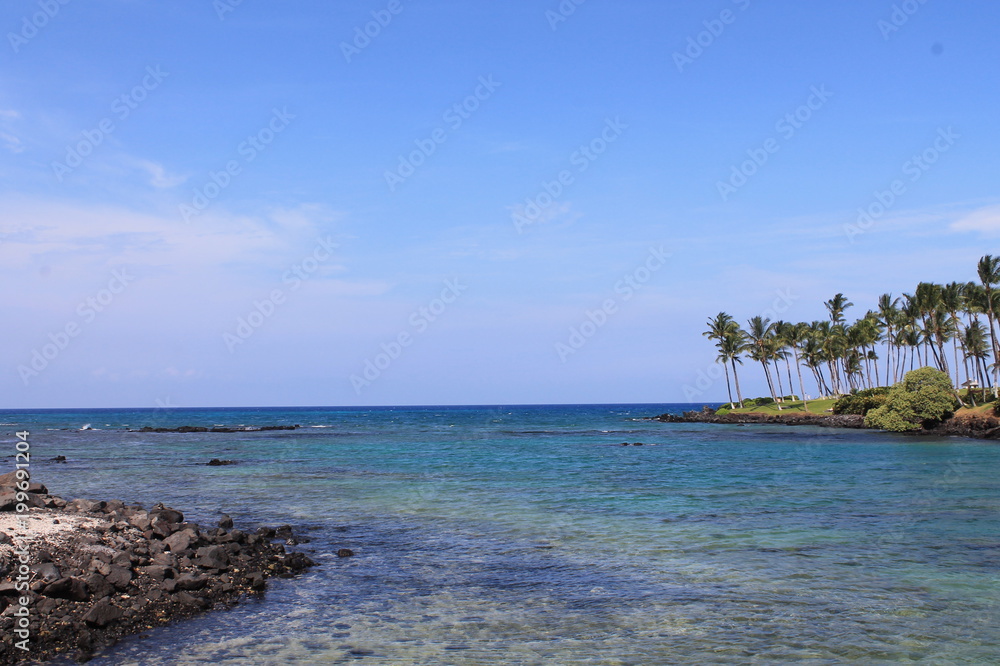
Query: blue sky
column 248, row 203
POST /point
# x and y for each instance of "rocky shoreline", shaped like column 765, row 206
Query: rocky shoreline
column 976, row 426
column 91, row 572
column 826, row 420
column 186, row 429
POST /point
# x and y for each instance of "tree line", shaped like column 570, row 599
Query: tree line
column 951, row 327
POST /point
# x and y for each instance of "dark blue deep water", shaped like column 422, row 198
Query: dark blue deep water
column 529, row 535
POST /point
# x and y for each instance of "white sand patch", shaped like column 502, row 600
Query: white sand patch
column 44, row 527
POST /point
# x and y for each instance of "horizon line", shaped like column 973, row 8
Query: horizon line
column 401, row 406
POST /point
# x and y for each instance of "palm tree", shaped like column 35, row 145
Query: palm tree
column 976, row 342
column 812, row 352
column 952, row 300
column 758, row 339
column 796, row 335
column 836, row 306
column 928, row 302
column 775, row 352
column 732, row 347
column 989, row 275
column 939, row 329
column 911, row 327
column 855, row 337
column 829, row 342
column 837, row 352
column 721, row 328
column 973, row 304
column 888, row 310
column 909, row 337
column 865, row 335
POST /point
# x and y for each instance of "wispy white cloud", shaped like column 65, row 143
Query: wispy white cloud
column 984, row 220
column 159, row 178
column 8, row 136
column 39, row 232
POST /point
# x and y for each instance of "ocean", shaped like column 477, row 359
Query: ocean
column 530, row 535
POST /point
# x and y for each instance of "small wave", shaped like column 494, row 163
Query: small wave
column 568, row 432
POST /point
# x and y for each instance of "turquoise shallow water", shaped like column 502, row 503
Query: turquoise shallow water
column 528, row 535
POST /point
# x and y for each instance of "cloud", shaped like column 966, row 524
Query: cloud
column 303, row 218
column 159, row 178
column 74, row 236
column 11, row 142
column 984, row 220
column 8, row 137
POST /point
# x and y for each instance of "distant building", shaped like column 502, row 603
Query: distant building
column 970, row 384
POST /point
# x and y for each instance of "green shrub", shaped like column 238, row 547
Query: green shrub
column 979, row 396
column 924, row 397
column 862, row 402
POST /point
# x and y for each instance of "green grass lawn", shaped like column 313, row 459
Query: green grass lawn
column 815, row 407
column 821, row 407
column 986, row 410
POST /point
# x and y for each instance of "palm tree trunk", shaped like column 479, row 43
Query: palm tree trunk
column 821, row 380
column 770, row 385
column 868, row 367
column 736, row 378
column 888, row 352
column 788, row 367
column 729, row 388
column 802, row 387
column 991, row 315
column 954, row 344
column 820, row 389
